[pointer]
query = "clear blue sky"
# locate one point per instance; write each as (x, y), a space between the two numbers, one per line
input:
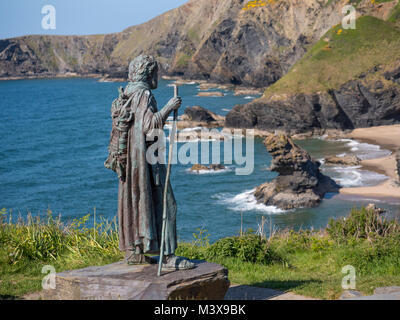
(73, 17)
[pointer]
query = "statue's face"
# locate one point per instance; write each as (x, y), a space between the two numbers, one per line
(154, 79)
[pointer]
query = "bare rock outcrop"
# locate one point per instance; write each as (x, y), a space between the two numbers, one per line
(212, 167)
(299, 183)
(343, 161)
(355, 104)
(197, 116)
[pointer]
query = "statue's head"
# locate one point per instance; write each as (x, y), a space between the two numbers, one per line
(144, 68)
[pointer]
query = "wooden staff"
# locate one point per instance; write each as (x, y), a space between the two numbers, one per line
(164, 221)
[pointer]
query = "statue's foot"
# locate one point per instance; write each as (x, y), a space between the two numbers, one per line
(173, 263)
(133, 258)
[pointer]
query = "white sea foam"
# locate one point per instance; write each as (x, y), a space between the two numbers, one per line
(192, 129)
(249, 97)
(365, 150)
(227, 169)
(246, 201)
(353, 176)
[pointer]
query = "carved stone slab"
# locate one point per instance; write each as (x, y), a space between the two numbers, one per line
(118, 281)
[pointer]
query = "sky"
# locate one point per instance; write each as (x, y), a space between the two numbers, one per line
(78, 17)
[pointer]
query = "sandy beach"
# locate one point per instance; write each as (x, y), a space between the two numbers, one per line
(388, 137)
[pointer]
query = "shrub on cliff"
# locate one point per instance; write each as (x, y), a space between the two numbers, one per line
(249, 247)
(362, 224)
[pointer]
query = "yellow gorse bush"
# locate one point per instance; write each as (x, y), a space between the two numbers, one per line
(256, 3)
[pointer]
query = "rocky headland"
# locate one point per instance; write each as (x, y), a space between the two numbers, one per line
(299, 183)
(211, 40)
(346, 80)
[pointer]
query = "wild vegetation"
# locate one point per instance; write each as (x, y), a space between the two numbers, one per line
(310, 262)
(27, 245)
(343, 55)
(307, 262)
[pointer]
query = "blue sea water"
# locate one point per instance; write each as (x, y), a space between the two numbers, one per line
(54, 137)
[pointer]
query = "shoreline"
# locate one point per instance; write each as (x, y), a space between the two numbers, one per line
(386, 137)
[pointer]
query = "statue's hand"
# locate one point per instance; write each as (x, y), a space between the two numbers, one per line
(175, 103)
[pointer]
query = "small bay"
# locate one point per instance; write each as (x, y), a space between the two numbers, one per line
(54, 137)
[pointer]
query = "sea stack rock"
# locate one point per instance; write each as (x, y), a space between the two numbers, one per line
(197, 116)
(300, 182)
(200, 114)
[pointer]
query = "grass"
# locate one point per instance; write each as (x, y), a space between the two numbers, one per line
(26, 246)
(341, 55)
(304, 262)
(183, 60)
(395, 15)
(310, 262)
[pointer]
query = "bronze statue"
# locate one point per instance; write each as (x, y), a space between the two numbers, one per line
(141, 185)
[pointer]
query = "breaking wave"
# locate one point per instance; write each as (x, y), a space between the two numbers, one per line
(246, 201)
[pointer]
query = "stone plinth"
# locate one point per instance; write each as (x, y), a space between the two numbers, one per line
(119, 281)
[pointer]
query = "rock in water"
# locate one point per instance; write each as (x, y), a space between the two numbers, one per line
(200, 114)
(343, 161)
(210, 94)
(300, 182)
(372, 207)
(212, 167)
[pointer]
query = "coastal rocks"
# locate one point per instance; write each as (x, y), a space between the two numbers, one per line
(372, 207)
(247, 92)
(355, 104)
(343, 161)
(202, 39)
(299, 183)
(210, 94)
(200, 114)
(398, 163)
(212, 167)
(207, 86)
(201, 134)
(197, 116)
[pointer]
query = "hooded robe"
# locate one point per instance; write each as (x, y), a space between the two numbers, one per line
(140, 196)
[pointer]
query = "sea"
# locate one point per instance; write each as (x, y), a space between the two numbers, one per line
(54, 137)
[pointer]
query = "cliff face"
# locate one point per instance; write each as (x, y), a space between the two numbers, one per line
(55, 55)
(357, 103)
(348, 79)
(203, 39)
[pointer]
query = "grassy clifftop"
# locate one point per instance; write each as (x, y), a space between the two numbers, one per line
(342, 55)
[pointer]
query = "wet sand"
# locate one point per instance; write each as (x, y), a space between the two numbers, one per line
(388, 137)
